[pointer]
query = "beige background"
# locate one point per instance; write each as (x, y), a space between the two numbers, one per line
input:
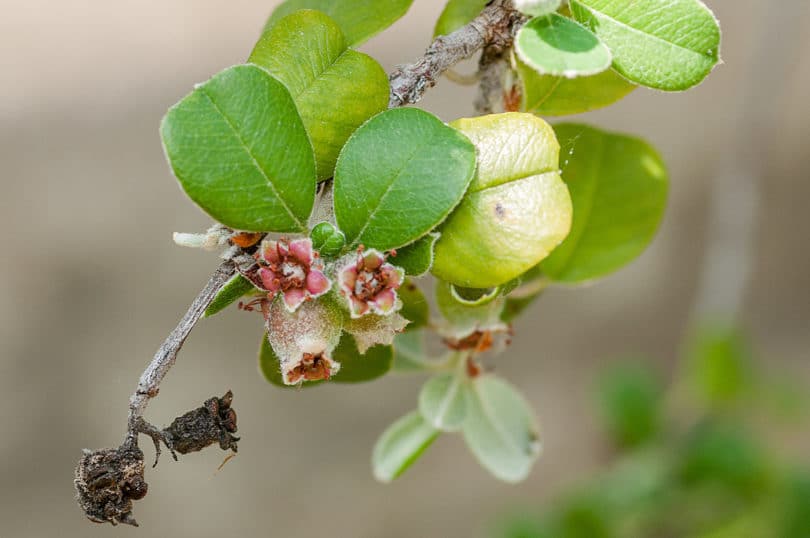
(90, 282)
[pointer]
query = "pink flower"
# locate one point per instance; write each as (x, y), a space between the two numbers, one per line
(292, 269)
(370, 284)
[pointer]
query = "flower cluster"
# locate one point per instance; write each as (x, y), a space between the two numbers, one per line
(303, 332)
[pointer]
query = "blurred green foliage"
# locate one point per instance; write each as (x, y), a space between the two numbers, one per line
(710, 474)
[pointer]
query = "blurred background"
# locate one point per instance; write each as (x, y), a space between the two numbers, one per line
(91, 283)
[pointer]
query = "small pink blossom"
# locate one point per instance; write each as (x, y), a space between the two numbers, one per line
(370, 284)
(292, 269)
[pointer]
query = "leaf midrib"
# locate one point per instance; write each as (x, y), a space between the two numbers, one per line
(243, 143)
(597, 13)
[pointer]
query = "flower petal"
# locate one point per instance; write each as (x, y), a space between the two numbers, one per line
(317, 283)
(270, 280)
(372, 259)
(269, 251)
(301, 250)
(293, 298)
(384, 302)
(393, 275)
(357, 307)
(347, 277)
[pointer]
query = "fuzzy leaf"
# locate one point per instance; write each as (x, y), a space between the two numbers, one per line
(399, 176)
(556, 45)
(240, 151)
(500, 429)
(409, 352)
(665, 44)
(400, 445)
(462, 318)
(618, 186)
(417, 258)
(359, 19)
(516, 210)
(456, 14)
(335, 89)
(234, 289)
(558, 96)
(443, 401)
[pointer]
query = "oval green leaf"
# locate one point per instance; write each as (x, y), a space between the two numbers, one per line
(417, 258)
(399, 176)
(359, 19)
(354, 367)
(234, 289)
(618, 185)
(500, 429)
(462, 318)
(443, 401)
(556, 45)
(516, 210)
(558, 96)
(400, 445)
(537, 8)
(669, 45)
(415, 307)
(239, 149)
(335, 89)
(457, 13)
(409, 352)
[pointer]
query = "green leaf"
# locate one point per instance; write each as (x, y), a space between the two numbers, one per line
(556, 45)
(456, 14)
(665, 44)
(400, 445)
(399, 176)
(500, 429)
(516, 210)
(335, 89)
(537, 8)
(417, 258)
(618, 185)
(559, 96)
(234, 289)
(474, 296)
(409, 352)
(630, 399)
(443, 401)
(357, 368)
(464, 318)
(415, 307)
(327, 239)
(354, 367)
(240, 151)
(359, 19)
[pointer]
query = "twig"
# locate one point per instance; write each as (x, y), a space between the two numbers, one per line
(149, 384)
(495, 26)
(492, 68)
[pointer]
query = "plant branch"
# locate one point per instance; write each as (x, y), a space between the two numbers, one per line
(495, 27)
(164, 359)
